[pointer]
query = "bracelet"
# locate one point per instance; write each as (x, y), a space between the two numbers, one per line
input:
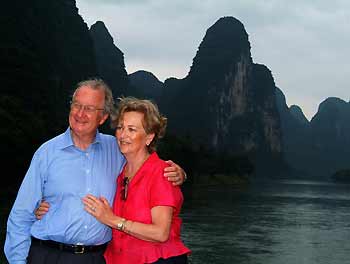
(121, 225)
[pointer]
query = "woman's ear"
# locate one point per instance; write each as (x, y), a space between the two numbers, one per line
(149, 138)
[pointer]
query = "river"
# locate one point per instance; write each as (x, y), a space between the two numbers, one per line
(289, 222)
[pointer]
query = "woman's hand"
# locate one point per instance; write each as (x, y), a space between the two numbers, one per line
(174, 173)
(41, 210)
(100, 209)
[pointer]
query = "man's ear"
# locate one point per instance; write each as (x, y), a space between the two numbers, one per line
(103, 119)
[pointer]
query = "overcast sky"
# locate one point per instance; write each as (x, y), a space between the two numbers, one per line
(306, 44)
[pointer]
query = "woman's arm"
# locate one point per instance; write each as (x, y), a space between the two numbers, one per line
(157, 231)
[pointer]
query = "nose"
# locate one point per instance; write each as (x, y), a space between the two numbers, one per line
(120, 133)
(81, 110)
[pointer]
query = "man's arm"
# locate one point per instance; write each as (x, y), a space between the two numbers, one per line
(21, 217)
(174, 173)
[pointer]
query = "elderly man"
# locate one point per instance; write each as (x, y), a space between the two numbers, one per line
(63, 170)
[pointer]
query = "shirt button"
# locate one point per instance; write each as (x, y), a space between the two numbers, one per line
(85, 227)
(87, 171)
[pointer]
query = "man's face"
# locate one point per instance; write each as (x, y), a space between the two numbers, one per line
(86, 115)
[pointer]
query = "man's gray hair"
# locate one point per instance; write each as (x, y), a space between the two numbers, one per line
(99, 84)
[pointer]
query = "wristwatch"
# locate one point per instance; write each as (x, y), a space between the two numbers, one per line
(121, 225)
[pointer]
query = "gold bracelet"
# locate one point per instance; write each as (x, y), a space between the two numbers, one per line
(121, 225)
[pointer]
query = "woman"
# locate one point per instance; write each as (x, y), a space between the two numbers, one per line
(145, 215)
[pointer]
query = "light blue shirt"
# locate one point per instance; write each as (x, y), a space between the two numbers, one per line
(62, 174)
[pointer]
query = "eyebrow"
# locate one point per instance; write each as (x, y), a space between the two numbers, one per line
(131, 126)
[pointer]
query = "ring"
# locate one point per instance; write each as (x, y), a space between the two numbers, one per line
(93, 209)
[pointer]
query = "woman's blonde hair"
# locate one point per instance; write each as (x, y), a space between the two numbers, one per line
(153, 121)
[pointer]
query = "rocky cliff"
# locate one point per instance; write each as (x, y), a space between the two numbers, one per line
(330, 129)
(45, 49)
(296, 136)
(144, 84)
(227, 102)
(318, 148)
(110, 59)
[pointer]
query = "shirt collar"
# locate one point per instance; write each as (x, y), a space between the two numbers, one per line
(67, 140)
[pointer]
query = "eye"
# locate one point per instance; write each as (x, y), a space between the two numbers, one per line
(119, 127)
(75, 105)
(90, 108)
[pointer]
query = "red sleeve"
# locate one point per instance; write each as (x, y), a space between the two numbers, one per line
(162, 192)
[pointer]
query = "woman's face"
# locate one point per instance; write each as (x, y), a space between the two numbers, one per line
(131, 135)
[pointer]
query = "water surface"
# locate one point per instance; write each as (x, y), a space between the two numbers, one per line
(285, 222)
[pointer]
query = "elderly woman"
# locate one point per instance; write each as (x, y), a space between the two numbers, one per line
(145, 214)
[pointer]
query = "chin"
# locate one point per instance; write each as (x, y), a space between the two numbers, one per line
(123, 150)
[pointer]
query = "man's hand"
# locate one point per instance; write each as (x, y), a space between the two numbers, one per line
(42, 210)
(174, 173)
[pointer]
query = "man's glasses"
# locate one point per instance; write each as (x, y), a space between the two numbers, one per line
(124, 192)
(90, 109)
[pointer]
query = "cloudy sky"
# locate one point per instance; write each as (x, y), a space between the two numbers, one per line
(304, 43)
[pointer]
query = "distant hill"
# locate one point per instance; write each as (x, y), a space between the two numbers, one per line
(298, 114)
(330, 129)
(110, 60)
(318, 148)
(296, 135)
(227, 103)
(146, 85)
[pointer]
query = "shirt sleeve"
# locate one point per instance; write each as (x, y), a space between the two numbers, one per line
(22, 216)
(162, 192)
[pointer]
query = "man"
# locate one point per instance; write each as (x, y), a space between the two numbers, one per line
(63, 170)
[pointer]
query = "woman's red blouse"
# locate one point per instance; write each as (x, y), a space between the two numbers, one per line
(147, 189)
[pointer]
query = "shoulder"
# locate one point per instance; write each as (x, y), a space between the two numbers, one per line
(155, 162)
(53, 143)
(155, 168)
(48, 149)
(109, 144)
(108, 141)
(106, 136)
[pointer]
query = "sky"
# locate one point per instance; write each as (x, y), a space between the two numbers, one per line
(304, 43)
